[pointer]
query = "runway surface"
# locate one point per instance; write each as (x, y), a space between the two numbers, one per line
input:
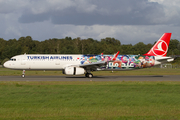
(95, 78)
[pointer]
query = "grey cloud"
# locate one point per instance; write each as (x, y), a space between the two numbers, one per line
(11, 6)
(105, 12)
(30, 18)
(129, 21)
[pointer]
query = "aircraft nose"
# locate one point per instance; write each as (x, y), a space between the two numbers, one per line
(6, 64)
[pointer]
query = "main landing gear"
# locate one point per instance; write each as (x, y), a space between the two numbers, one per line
(23, 74)
(89, 75)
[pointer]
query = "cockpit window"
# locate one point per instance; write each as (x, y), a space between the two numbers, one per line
(12, 59)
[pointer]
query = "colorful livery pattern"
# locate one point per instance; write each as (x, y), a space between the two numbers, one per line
(121, 62)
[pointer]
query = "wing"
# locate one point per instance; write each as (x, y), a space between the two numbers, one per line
(93, 66)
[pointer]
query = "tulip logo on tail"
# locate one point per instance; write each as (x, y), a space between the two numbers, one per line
(161, 46)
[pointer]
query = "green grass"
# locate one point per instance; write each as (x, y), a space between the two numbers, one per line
(147, 71)
(89, 100)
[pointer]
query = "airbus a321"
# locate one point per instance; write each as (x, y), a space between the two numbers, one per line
(85, 64)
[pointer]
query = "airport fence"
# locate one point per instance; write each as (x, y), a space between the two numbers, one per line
(168, 66)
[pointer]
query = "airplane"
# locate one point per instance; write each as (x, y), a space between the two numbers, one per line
(86, 64)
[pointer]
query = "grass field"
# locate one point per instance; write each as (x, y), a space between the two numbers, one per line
(89, 100)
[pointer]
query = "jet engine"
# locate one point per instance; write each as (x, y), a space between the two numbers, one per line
(73, 71)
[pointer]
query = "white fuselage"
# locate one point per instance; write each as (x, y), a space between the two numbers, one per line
(42, 62)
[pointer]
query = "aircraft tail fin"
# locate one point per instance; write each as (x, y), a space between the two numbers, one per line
(161, 46)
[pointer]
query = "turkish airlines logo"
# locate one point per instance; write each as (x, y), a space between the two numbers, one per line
(161, 48)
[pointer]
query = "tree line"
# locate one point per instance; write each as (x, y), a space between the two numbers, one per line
(67, 45)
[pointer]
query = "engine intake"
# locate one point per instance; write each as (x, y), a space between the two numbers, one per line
(73, 71)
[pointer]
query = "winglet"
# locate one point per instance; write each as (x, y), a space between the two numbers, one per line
(115, 56)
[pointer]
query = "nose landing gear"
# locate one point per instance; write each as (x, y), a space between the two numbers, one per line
(23, 74)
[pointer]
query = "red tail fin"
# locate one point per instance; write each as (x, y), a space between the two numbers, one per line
(161, 46)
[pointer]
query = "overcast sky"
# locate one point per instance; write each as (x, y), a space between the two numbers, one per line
(130, 21)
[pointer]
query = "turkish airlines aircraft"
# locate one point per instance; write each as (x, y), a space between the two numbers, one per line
(85, 64)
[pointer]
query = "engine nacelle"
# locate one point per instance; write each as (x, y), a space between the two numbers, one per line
(73, 71)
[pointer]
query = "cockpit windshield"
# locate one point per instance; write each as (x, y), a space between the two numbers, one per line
(12, 59)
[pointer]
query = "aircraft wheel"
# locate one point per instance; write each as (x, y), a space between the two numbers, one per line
(90, 75)
(22, 75)
(86, 74)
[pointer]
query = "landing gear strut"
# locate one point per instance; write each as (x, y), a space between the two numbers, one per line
(89, 75)
(23, 74)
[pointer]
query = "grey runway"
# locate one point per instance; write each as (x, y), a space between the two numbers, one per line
(95, 78)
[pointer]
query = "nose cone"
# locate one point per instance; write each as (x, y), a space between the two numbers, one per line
(6, 64)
